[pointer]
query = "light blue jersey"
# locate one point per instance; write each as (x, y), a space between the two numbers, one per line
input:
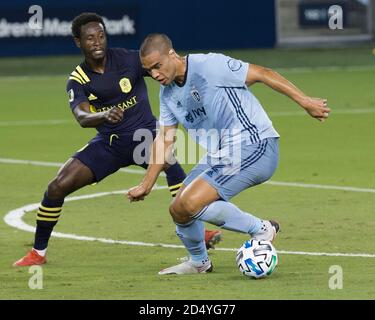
(215, 105)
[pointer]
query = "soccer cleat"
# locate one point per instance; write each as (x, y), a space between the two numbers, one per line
(32, 258)
(268, 231)
(211, 238)
(187, 267)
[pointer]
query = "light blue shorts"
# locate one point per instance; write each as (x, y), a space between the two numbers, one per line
(256, 164)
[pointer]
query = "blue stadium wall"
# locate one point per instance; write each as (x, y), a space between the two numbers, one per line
(192, 24)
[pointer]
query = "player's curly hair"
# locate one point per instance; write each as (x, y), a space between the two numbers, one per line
(83, 19)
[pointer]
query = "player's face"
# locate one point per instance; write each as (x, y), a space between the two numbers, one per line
(161, 66)
(93, 41)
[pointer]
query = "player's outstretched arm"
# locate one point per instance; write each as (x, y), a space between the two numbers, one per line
(88, 119)
(315, 107)
(161, 152)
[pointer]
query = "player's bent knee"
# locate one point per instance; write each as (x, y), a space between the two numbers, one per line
(57, 189)
(54, 191)
(179, 213)
(184, 207)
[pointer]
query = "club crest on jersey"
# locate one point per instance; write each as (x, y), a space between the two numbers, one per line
(71, 95)
(234, 64)
(195, 94)
(125, 85)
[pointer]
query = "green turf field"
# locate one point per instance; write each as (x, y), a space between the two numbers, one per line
(327, 208)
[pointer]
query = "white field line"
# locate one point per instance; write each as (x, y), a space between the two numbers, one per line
(14, 219)
(326, 69)
(28, 78)
(141, 171)
(50, 122)
(320, 186)
(358, 68)
(20, 123)
(59, 164)
(333, 112)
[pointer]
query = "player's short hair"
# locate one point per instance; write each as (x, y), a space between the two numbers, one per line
(83, 19)
(155, 41)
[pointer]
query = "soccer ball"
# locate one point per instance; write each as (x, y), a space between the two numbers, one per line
(256, 258)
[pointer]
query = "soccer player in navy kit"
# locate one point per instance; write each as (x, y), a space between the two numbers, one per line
(107, 92)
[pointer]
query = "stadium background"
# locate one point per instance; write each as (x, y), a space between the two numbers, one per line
(322, 193)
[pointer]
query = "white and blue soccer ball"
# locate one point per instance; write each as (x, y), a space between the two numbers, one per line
(256, 258)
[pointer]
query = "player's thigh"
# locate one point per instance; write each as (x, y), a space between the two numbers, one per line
(101, 157)
(198, 194)
(71, 176)
(195, 192)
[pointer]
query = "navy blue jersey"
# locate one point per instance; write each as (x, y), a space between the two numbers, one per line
(121, 85)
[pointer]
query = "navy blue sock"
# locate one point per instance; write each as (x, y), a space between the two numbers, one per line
(175, 176)
(48, 214)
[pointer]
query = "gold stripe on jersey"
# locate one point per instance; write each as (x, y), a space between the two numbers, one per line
(77, 75)
(83, 74)
(92, 97)
(76, 79)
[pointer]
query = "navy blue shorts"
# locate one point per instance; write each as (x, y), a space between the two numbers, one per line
(105, 154)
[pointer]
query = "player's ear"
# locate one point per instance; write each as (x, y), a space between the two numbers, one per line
(77, 42)
(172, 54)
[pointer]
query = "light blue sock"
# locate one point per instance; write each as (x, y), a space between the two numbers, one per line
(227, 216)
(192, 236)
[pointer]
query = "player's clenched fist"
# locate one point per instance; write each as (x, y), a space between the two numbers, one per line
(114, 115)
(316, 107)
(137, 193)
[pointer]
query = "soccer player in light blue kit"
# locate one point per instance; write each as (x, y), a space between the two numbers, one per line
(209, 91)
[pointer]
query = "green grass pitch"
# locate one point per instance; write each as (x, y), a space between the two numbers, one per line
(36, 124)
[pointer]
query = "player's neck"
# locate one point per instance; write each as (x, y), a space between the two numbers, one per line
(96, 65)
(181, 71)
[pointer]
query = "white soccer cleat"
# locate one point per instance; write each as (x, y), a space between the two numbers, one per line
(187, 267)
(268, 231)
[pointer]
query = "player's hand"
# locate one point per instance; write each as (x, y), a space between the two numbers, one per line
(316, 107)
(137, 193)
(114, 115)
